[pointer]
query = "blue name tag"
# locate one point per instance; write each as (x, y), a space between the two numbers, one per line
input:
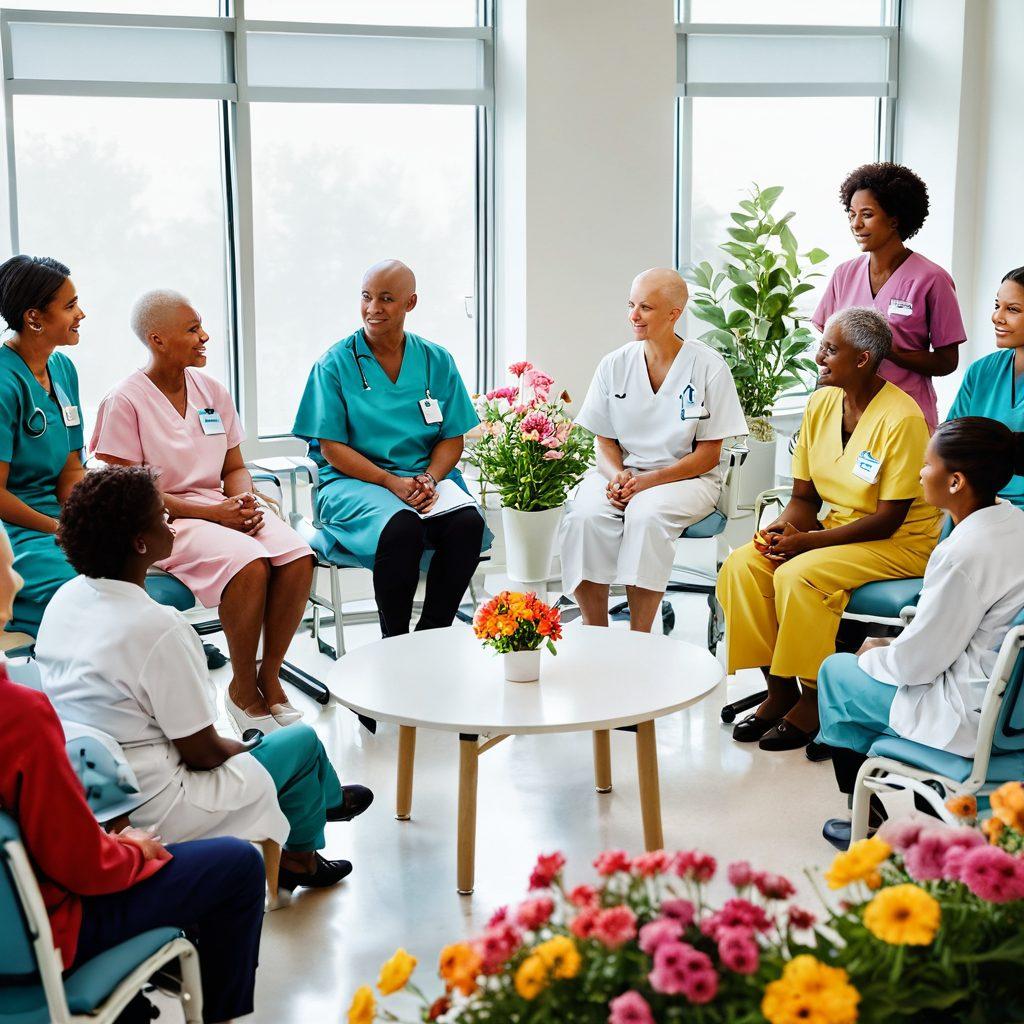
(689, 407)
(209, 420)
(867, 466)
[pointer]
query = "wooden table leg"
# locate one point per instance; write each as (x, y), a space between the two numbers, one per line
(406, 756)
(468, 760)
(650, 791)
(602, 761)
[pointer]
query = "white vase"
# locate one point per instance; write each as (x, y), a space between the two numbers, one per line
(530, 542)
(522, 666)
(758, 473)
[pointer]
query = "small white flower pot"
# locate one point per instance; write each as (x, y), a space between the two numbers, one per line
(522, 666)
(530, 542)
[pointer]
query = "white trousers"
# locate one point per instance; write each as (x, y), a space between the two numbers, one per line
(634, 548)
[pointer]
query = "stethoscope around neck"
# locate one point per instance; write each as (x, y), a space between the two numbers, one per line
(362, 376)
(35, 421)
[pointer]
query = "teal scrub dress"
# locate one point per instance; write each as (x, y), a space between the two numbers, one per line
(990, 389)
(350, 399)
(34, 442)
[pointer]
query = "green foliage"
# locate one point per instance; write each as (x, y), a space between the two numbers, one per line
(751, 303)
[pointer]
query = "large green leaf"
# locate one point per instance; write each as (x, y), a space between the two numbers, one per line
(788, 240)
(782, 222)
(741, 252)
(695, 272)
(747, 205)
(743, 219)
(817, 256)
(738, 318)
(766, 200)
(745, 296)
(739, 275)
(800, 289)
(708, 313)
(742, 234)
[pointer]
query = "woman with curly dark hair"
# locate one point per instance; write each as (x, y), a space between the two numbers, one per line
(886, 204)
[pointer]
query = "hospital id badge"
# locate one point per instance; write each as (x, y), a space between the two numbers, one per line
(71, 417)
(431, 410)
(866, 467)
(210, 421)
(897, 307)
(690, 408)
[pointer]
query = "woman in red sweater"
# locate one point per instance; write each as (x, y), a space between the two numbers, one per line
(101, 889)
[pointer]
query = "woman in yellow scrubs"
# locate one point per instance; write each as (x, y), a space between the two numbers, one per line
(860, 450)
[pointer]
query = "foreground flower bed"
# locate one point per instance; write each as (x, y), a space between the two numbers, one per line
(929, 928)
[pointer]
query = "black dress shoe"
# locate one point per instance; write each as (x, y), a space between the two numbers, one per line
(752, 728)
(838, 831)
(355, 800)
(815, 751)
(327, 873)
(786, 736)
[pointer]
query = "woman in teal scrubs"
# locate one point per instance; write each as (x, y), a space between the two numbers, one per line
(384, 412)
(40, 425)
(994, 385)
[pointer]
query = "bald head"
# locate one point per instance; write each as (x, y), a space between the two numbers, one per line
(157, 312)
(388, 293)
(393, 274)
(657, 299)
(666, 282)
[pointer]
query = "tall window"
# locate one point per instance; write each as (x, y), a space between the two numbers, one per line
(798, 103)
(257, 161)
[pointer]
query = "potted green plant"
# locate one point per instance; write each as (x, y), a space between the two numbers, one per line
(751, 303)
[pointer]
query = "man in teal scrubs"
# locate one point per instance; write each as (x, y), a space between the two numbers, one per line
(40, 425)
(385, 412)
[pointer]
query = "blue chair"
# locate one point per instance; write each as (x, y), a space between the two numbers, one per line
(33, 989)
(935, 775)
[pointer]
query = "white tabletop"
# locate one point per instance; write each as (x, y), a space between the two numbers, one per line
(446, 679)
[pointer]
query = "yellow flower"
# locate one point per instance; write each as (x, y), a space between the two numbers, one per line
(859, 864)
(459, 966)
(531, 977)
(560, 956)
(396, 972)
(1008, 804)
(810, 992)
(364, 1006)
(903, 915)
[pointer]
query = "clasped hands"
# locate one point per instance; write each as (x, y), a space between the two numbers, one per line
(418, 492)
(151, 845)
(240, 512)
(625, 486)
(782, 540)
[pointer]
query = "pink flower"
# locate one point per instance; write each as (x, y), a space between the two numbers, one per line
(496, 946)
(655, 862)
(552, 455)
(540, 382)
(701, 986)
(901, 835)
(800, 919)
(993, 874)
(630, 1008)
(926, 859)
(736, 913)
(740, 874)
(537, 426)
(584, 923)
(534, 914)
(546, 870)
(774, 887)
(700, 867)
(551, 442)
(610, 861)
(500, 916)
(510, 395)
(583, 896)
(615, 926)
(674, 962)
(664, 929)
(682, 911)
(518, 369)
(738, 951)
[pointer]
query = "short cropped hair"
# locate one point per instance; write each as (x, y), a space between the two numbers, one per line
(147, 309)
(105, 510)
(899, 191)
(866, 330)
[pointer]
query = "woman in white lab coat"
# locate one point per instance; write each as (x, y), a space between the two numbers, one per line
(927, 685)
(660, 408)
(112, 658)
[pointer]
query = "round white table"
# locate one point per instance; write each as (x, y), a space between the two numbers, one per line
(601, 679)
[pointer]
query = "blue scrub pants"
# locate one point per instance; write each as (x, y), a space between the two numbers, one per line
(306, 783)
(214, 890)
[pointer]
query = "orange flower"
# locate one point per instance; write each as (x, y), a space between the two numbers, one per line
(962, 806)
(993, 829)
(1008, 804)
(459, 966)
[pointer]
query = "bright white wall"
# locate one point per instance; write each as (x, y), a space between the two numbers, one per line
(585, 174)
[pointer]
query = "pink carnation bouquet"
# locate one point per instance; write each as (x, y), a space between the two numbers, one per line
(529, 450)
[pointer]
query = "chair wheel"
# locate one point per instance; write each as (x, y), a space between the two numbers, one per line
(728, 714)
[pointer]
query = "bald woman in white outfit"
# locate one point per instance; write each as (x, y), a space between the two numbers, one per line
(660, 408)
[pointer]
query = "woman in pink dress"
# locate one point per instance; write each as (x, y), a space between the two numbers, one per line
(887, 204)
(251, 566)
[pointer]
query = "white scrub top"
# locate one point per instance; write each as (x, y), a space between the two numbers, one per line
(112, 658)
(696, 402)
(941, 663)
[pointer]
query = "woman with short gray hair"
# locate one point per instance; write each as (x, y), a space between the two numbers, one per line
(860, 450)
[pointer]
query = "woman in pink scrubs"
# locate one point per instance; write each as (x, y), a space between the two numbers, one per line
(886, 205)
(255, 568)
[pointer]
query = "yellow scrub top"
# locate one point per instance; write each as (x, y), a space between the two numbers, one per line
(893, 433)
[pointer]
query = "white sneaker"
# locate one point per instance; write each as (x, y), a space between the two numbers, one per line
(284, 714)
(243, 720)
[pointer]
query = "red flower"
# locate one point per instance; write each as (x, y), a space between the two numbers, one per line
(546, 870)
(773, 887)
(611, 861)
(801, 919)
(496, 946)
(692, 864)
(656, 862)
(583, 896)
(534, 914)
(582, 925)
(615, 926)
(438, 1007)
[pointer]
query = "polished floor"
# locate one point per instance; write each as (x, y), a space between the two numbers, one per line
(536, 793)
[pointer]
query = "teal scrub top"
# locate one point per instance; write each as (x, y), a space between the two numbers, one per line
(989, 389)
(384, 423)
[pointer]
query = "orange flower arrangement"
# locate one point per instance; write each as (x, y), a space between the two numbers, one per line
(518, 622)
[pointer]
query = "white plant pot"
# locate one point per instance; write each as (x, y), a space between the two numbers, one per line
(758, 473)
(522, 666)
(530, 542)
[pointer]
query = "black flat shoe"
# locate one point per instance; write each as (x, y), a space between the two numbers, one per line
(837, 831)
(355, 800)
(328, 873)
(815, 751)
(786, 736)
(752, 728)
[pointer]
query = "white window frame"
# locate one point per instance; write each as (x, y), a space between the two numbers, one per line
(237, 97)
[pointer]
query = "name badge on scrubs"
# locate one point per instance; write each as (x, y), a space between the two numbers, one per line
(431, 410)
(867, 466)
(210, 421)
(897, 307)
(70, 414)
(690, 408)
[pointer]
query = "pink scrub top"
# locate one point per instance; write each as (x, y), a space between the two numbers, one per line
(137, 423)
(919, 301)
